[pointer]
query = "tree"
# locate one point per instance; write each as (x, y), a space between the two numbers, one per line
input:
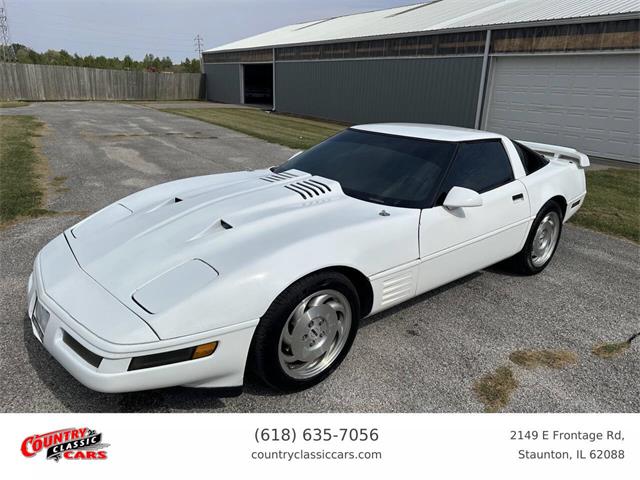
(190, 65)
(22, 56)
(65, 59)
(166, 63)
(147, 61)
(128, 63)
(52, 57)
(89, 61)
(150, 62)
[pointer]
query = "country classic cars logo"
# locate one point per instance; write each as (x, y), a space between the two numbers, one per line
(69, 443)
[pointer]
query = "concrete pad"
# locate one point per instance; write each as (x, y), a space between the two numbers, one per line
(423, 356)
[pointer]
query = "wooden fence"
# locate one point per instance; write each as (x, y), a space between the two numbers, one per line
(49, 82)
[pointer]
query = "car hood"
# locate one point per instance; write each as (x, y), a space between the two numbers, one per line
(194, 224)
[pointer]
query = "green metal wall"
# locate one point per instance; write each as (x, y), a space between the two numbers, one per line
(428, 90)
(223, 82)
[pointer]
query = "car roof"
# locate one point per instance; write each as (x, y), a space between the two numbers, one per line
(443, 133)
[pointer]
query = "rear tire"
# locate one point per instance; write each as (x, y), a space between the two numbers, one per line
(306, 332)
(541, 243)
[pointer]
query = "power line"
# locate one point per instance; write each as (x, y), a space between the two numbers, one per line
(74, 22)
(97, 46)
(8, 54)
(125, 45)
(85, 27)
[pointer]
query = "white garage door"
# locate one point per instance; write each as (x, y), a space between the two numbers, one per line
(588, 102)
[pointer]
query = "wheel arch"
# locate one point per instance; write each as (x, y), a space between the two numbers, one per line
(360, 282)
(562, 203)
(363, 288)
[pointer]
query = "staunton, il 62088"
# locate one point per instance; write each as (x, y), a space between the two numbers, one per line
(196, 281)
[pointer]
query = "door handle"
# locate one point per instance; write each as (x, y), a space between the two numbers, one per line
(518, 197)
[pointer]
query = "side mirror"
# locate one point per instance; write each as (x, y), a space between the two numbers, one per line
(459, 197)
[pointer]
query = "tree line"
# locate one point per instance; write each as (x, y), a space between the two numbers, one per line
(150, 62)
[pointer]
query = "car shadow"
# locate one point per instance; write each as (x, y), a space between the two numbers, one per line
(78, 398)
(254, 386)
(504, 268)
(419, 299)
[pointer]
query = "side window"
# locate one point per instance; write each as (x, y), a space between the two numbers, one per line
(479, 166)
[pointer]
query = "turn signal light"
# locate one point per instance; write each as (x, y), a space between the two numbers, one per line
(204, 350)
(174, 356)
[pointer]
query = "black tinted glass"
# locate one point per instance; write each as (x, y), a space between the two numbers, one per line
(379, 168)
(532, 161)
(479, 166)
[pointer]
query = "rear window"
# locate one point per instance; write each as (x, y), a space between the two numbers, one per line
(380, 168)
(531, 161)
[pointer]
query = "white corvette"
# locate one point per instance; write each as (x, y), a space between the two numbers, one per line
(195, 281)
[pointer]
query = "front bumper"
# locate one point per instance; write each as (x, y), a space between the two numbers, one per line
(223, 369)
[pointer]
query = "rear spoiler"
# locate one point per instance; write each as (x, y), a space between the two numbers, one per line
(555, 152)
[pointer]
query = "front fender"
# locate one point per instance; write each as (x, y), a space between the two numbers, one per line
(251, 278)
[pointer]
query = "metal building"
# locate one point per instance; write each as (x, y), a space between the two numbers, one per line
(553, 71)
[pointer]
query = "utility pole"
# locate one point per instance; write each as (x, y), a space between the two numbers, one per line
(198, 43)
(7, 54)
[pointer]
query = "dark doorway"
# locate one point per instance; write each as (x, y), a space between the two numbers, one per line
(258, 83)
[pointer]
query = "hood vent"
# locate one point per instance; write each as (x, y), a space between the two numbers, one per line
(164, 203)
(278, 177)
(214, 228)
(308, 188)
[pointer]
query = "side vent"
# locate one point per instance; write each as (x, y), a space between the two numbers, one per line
(308, 188)
(398, 287)
(278, 177)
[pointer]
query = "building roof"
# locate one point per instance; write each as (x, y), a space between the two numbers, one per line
(444, 133)
(434, 16)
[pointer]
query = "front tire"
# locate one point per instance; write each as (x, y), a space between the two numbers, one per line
(306, 332)
(542, 241)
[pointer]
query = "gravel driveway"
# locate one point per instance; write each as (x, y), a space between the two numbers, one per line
(424, 356)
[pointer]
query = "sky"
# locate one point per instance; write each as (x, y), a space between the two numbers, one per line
(162, 27)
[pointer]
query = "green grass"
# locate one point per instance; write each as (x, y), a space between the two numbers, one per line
(543, 358)
(13, 104)
(21, 167)
(293, 132)
(613, 203)
(613, 196)
(494, 389)
(610, 350)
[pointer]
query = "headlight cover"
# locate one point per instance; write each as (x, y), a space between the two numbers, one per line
(174, 286)
(41, 316)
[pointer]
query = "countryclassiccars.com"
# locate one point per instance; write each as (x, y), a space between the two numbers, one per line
(196, 281)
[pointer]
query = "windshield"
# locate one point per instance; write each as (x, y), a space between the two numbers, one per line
(376, 167)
